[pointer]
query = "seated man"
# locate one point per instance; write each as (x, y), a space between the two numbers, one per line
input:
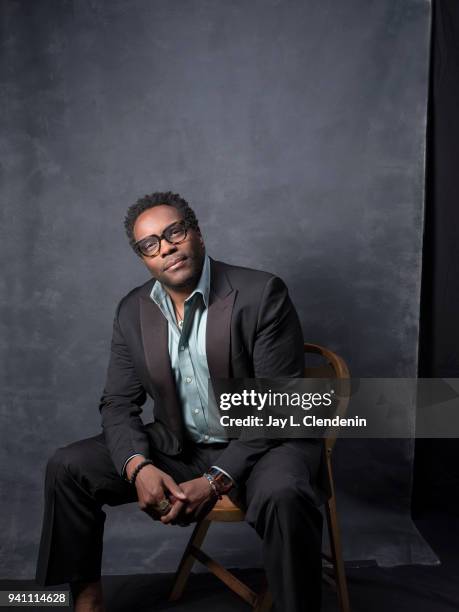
(197, 318)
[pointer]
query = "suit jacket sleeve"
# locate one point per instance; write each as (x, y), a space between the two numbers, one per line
(278, 352)
(121, 402)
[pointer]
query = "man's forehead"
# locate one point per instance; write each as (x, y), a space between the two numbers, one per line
(155, 220)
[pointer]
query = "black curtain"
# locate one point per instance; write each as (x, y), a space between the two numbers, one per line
(436, 476)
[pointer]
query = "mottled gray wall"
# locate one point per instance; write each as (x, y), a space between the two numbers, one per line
(296, 130)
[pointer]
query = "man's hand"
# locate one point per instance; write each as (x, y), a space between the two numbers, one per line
(200, 499)
(153, 485)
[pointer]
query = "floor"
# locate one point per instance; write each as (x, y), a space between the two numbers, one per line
(372, 589)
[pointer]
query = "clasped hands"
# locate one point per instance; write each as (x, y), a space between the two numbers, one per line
(190, 501)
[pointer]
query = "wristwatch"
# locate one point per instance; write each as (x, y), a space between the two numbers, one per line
(222, 482)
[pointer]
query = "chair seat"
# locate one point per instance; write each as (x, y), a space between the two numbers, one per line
(226, 511)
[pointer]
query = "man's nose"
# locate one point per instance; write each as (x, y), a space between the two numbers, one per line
(167, 248)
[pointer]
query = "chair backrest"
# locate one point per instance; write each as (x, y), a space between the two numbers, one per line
(334, 367)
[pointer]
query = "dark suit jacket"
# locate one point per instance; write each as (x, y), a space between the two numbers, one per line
(253, 331)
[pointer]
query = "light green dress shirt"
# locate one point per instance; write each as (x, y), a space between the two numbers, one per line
(187, 351)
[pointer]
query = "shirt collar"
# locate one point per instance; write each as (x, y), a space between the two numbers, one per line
(159, 295)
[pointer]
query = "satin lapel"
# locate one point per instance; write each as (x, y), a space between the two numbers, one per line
(154, 337)
(218, 332)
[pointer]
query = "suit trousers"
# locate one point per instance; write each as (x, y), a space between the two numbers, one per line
(278, 496)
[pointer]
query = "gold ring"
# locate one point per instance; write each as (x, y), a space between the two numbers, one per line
(163, 506)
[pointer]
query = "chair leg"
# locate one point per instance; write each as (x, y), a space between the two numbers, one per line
(335, 545)
(187, 561)
(264, 600)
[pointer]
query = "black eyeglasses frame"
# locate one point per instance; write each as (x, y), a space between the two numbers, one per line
(136, 245)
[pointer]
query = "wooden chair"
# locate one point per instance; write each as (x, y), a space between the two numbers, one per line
(226, 511)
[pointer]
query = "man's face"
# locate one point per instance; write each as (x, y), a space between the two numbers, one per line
(177, 265)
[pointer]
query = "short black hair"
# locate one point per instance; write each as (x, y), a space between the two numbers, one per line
(159, 198)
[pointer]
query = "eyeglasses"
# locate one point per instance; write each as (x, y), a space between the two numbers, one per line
(151, 245)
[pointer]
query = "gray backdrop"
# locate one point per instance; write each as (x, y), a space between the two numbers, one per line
(296, 130)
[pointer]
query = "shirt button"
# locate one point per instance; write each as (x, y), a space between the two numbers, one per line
(182, 348)
(188, 379)
(196, 410)
(206, 437)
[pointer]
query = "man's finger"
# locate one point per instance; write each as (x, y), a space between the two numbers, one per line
(174, 488)
(173, 512)
(190, 509)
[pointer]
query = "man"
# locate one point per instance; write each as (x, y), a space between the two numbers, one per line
(197, 318)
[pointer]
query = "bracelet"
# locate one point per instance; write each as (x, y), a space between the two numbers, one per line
(138, 468)
(212, 484)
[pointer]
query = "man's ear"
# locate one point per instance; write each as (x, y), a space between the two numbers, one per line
(201, 239)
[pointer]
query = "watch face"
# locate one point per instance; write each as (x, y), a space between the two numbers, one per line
(221, 480)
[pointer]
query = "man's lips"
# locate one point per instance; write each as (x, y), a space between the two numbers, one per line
(174, 263)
